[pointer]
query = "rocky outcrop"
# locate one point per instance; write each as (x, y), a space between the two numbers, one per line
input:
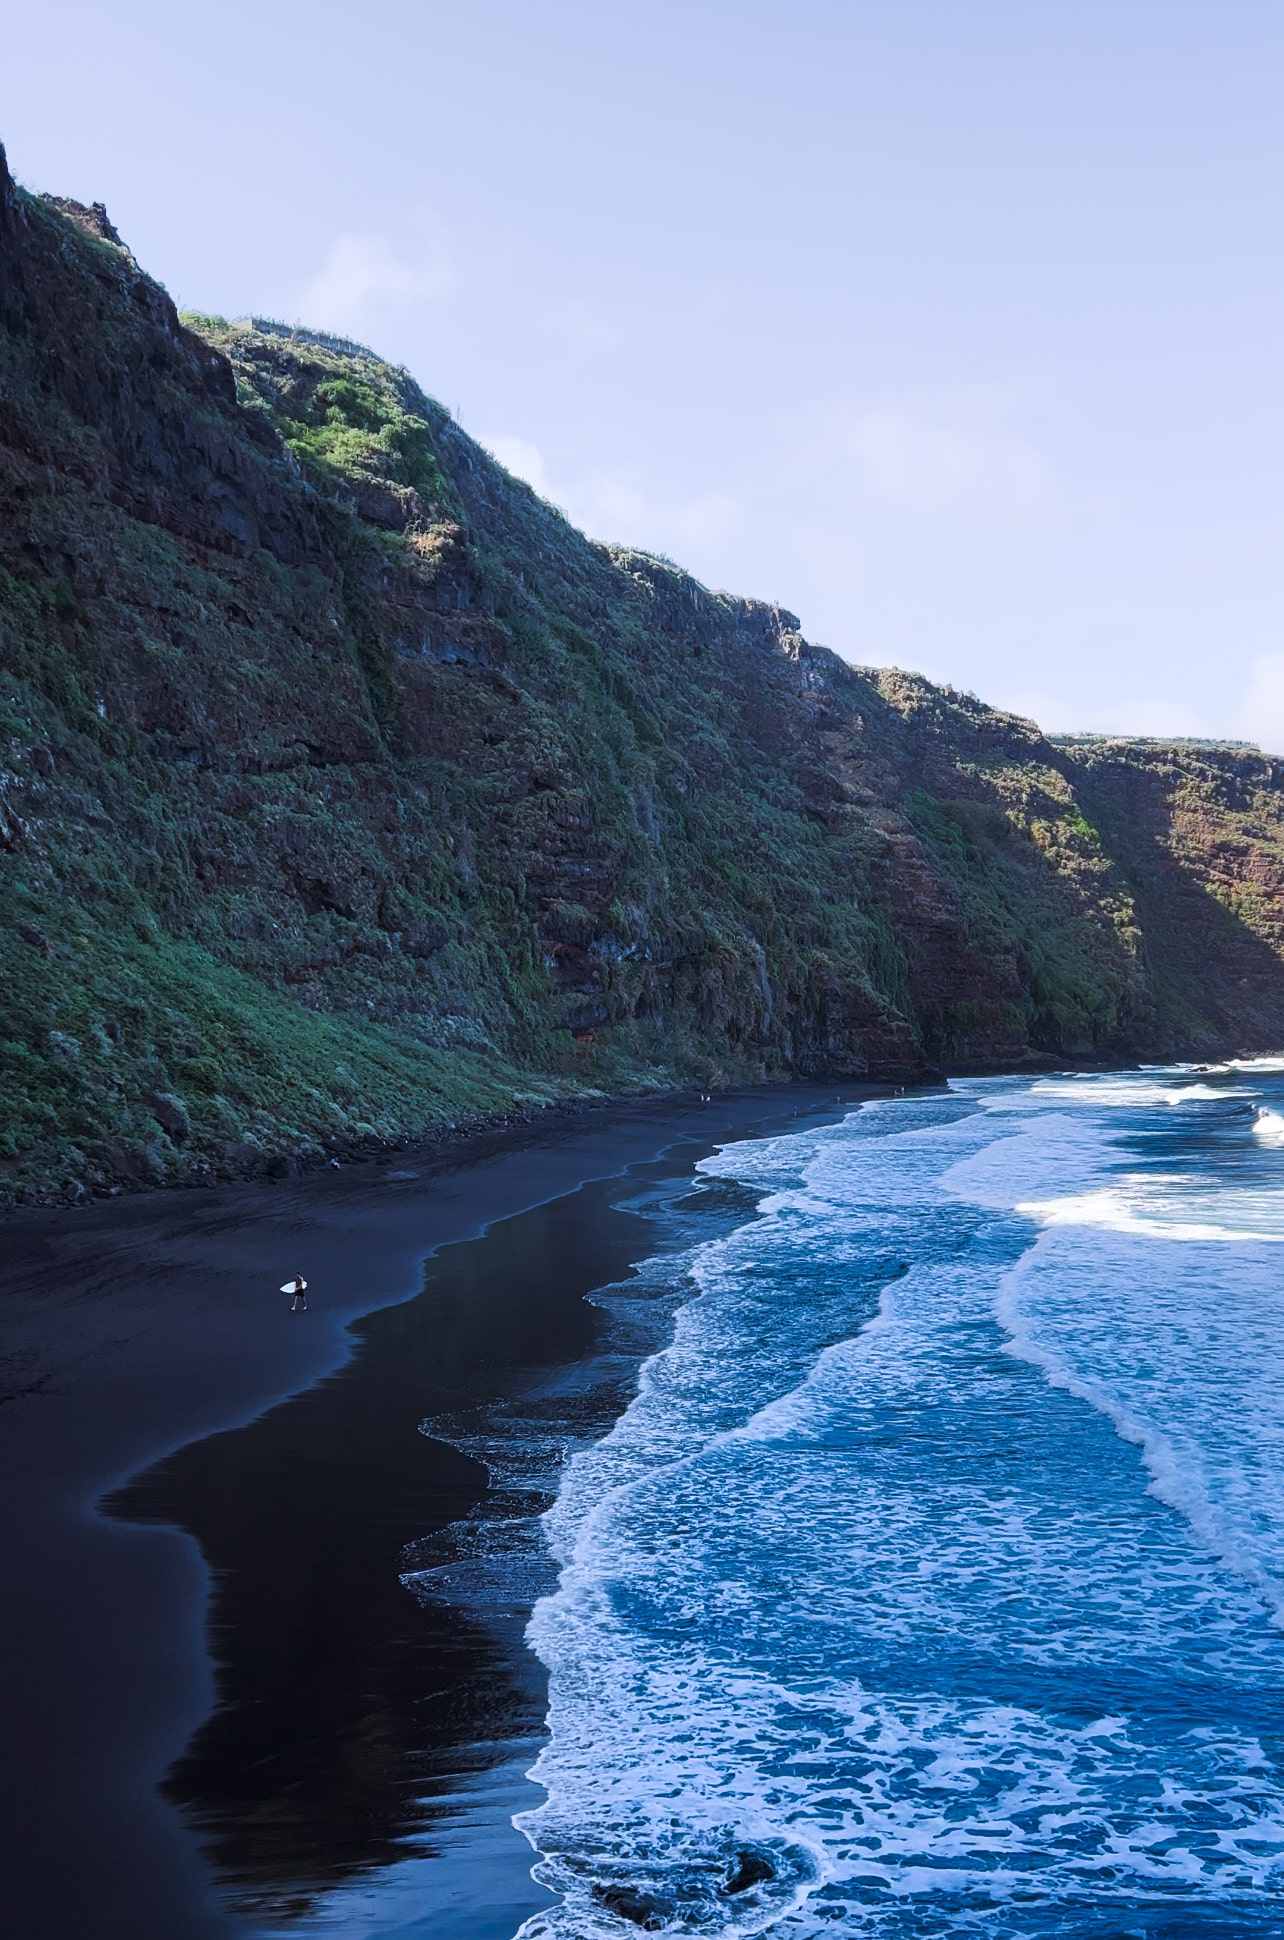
(349, 792)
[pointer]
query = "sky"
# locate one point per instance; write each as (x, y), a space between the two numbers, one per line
(954, 328)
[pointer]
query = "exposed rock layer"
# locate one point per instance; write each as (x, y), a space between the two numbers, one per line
(348, 791)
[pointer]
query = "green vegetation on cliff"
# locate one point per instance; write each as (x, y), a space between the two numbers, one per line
(348, 793)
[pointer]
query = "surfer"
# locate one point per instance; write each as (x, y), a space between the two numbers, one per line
(298, 1287)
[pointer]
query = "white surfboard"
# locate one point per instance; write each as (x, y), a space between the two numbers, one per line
(290, 1287)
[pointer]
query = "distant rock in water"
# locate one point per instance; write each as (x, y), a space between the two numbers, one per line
(350, 795)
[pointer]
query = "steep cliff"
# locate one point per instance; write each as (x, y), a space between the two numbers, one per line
(348, 791)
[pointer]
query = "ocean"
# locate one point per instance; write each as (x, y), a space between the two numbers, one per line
(932, 1582)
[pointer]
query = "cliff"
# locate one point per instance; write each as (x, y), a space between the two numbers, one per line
(349, 792)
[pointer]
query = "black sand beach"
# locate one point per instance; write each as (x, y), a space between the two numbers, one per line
(365, 1739)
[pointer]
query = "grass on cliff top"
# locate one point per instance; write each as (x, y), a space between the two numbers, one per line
(344, 417)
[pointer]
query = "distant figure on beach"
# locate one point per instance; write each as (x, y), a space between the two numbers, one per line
(298, 1287)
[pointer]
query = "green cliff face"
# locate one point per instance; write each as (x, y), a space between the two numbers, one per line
(348, 793)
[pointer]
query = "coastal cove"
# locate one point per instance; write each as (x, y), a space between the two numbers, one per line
(789, 1514)
(133, 1330)
(641, 975)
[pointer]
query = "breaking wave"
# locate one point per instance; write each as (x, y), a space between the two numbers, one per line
(932, 1582)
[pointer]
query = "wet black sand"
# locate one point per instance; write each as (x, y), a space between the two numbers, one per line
(351, 1711)
(367, 1747)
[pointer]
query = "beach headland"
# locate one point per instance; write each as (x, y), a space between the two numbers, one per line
(136, 1328)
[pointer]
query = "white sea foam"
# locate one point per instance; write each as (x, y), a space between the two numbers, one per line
(1129, 1092)
(866, 1622)
(1185, 1363)
(1105, 1093)
(1134, 1207)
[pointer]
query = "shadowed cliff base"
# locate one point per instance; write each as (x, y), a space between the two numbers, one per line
(352, 796)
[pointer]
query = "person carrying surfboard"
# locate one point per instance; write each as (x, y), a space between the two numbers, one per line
(298, 1287)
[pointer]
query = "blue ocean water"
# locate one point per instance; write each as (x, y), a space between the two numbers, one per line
(933, 1583)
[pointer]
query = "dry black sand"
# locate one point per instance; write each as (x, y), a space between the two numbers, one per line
(363, 1740)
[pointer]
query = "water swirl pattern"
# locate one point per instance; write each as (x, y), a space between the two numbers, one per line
(933, 1583)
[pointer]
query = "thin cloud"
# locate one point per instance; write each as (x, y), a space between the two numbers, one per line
(585, 326)
(958, 459)
(524, 460)
(613, 506)
(1261, 713)
(364, 278)
(1146, 716)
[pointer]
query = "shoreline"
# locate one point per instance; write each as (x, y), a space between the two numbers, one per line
(464, 1142)
(166, 1329)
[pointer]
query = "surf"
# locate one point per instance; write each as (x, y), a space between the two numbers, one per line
(931, 1582)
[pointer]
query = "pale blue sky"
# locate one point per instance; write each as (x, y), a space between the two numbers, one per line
(954, 325)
